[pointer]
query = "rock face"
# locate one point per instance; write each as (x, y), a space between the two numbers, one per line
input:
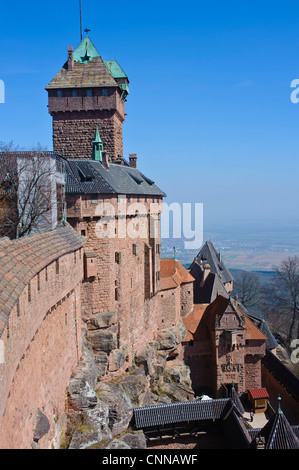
(101, 411)
(42, 426)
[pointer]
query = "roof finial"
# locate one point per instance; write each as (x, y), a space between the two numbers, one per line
(279, 408)
(233, 385)
(174, 253)
(86, 30)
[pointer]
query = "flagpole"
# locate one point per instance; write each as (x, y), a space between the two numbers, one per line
(80, 19)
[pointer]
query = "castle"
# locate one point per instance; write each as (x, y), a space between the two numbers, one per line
(100, 269)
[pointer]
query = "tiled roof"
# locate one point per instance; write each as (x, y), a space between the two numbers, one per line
(91, 177)
(262, 325)
(258, 393)
(89, 70)
(21, 260)
(173, 274)
(179, 412)
(83, 75)
(192, 322)
(252, 332)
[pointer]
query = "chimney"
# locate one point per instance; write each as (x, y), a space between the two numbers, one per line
(70, 58)
(105, 160)
(206, 272)
(133, 160)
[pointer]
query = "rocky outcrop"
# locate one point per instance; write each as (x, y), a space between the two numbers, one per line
(100, 411)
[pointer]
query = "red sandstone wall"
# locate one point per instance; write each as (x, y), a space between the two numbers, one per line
(170, 307)
(288, 404)
(74, 132)
(42, 346)
(186, 298)
(119, 286)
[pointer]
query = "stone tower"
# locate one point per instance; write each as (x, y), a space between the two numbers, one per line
(87, 96)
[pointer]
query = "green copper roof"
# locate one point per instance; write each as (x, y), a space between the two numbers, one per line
(85, 52)
(115, 69)
(118, 74)
(97, 146)
(97, 137)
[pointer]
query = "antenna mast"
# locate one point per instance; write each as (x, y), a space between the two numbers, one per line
(80, 19)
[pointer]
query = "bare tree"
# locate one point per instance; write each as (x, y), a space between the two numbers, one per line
(28, 189)
(247, 285)
(285, 293)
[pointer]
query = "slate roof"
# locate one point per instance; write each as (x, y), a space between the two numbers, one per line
(91, 177)
(179, 412)
(22, 259)
(209, 255)
(278, 433)
(211, 289)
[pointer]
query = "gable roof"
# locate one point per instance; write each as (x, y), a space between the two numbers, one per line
(209, 255)
(91, 177)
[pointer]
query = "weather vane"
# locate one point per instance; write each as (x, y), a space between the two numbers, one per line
(86, 31)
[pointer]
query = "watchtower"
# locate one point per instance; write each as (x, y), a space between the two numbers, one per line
(87, 96)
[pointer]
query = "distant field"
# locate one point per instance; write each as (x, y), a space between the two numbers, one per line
(253, 261)
(253, 248)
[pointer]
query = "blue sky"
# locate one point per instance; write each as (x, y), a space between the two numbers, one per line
(209, 112)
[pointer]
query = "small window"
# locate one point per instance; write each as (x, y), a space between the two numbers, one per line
(29, 292)
(57, 267)
(59, 93)
(89, 92)
(104, 92)
(118, 257)
(116, 293)
(38, 282)
(74, 93)
(135, 249)
(83, 233)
